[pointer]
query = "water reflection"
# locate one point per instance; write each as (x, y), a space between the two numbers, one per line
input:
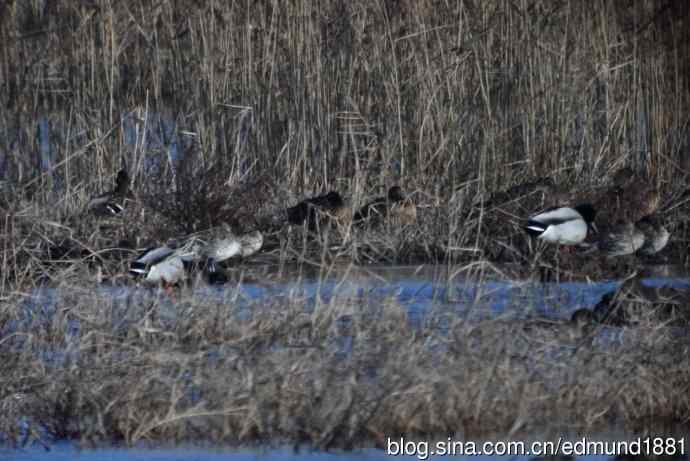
(434, 297)
(419, 289)
(529, 313)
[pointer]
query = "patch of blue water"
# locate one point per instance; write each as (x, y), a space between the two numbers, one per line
(464, 297)
(43, 131)
(418, 297)
(673, 282)
(425, 299)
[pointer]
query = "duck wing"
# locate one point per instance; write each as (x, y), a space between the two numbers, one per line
(555, 216)
(620, 240)
(630, 203)
(148, 258)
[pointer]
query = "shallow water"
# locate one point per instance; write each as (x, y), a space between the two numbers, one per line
(68, 452)
(437, 293)
(421, 290)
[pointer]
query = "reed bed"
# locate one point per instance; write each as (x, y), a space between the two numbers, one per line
(227, 113)
(138, 367)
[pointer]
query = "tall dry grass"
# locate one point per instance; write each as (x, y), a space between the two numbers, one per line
(224, 112)
(135, 367)
(451, 100)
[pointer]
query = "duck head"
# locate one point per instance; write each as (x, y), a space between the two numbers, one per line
(587, 212)
(334, 200)
(623, 176)
(122, 182)
(395, 194)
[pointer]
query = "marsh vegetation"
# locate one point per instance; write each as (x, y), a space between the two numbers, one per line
(224, 114)
(329, 368)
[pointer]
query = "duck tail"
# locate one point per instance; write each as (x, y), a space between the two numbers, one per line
(138, 268)
(535, 228)
(113, 208)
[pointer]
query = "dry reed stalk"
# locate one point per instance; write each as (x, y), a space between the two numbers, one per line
(227, 116)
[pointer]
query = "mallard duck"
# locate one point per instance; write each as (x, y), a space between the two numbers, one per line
(629, 199)
(563, 226)
(218, 245)
(621, 239)
(251, 243)
(647, 236)
(655, 235)
(164, 264)
(394, 204)
(309, 210)
(582, 318)
(580, 324)
(111, 203)
(402, 207)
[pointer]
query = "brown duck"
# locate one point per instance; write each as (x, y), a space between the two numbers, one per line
(111, 203)
(629, 199)
(311, 210)
(395, 204)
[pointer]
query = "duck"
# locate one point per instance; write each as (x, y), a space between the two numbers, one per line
(163, 264)
(562, 225)
(223, 247)
(221, 243)
(395, 204)
(621, 239)
(580, 325)
(582, 318)
(111, 203)
(309, 210)
(629, 198)
(218, 245)
(251, 243)
(647, 237)
(656, 236)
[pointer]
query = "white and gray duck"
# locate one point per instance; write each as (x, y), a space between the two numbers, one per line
(164, 265)
(563, 225)
(646, 237)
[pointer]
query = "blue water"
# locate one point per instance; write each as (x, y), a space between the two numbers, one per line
(424, 293)
(421, 291)
(427, 294)
(68, 452)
